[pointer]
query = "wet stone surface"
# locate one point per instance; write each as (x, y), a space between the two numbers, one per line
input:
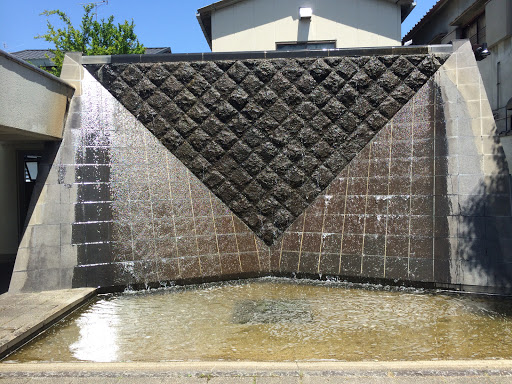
(268, 136)
(271, 311)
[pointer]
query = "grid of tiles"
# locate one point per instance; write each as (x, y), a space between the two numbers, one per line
(267, 136)
(141, 215)
(377, 217)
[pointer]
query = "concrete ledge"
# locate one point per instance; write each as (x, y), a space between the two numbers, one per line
(24, 315)
(34, 102)
(33, 68)
(396, 369)
(210, 56)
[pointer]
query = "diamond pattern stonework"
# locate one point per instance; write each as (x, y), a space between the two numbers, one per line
(267, 136)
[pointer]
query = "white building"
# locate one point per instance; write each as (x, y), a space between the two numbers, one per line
(482, 22)
(267, 25)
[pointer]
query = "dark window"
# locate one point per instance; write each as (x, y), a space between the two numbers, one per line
(31, 163)
(475, 30)
(305, 45)
(28, 167)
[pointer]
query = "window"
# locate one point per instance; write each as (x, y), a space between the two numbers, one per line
(31, 167)
(475, 30)
(305, 45)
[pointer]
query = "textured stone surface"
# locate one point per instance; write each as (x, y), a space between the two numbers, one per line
(268, 136)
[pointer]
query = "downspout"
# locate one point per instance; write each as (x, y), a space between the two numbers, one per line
(498, 65)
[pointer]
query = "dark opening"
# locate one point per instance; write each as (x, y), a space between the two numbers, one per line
(27, 170)
(305, 45)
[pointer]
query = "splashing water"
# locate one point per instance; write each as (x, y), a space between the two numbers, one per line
(278, 320)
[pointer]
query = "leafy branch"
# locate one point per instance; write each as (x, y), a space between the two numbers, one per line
(90, 38)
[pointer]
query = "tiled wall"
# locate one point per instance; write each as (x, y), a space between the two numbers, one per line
(377, 218)
(267, 136)
(141, 216)
(426, 200)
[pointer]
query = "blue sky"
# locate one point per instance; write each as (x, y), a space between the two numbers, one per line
(159, 23)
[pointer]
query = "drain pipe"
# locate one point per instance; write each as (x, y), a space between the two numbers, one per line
(498, 65)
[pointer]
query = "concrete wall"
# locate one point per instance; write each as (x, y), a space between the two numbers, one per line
(499, 15)
(256, 25)
(33, 106)
(420, 197)
(498, 95)
(33, 103)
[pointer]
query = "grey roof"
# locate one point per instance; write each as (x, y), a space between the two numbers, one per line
(204, 14)
(38, 54)
(465, 16)
(436, 7)
(154, 51)
(33, 54)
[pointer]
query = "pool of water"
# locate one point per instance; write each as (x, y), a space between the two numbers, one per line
(278, 320)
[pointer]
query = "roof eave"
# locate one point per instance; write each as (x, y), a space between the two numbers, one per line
(406, 9)
(469, 13)
(424, 20)
(207, 32)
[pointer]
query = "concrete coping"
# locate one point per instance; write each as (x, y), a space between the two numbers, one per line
(25, 315)
(211, 56)
(35, 69)
(264, 369)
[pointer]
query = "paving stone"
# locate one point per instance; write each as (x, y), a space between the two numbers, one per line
(231, 380)
(279, 380)
(14, 380)
(304, 379)
(30, 312)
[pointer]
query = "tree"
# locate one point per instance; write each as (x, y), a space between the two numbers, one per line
(91, 38)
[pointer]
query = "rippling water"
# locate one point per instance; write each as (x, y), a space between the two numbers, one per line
(278, 320)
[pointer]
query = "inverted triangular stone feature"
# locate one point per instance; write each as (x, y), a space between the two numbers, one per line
(267, 136)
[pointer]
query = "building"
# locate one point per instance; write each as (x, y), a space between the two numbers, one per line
(34, 107)
(487, 24)
(267, 25)
(32, 117)
(43, 57)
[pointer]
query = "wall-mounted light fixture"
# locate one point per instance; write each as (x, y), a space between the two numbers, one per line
(305, 13)
(481, 52)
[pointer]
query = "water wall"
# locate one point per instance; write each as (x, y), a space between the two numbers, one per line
(374, 164)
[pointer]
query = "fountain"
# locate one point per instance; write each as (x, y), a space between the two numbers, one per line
(367, 165)
(278, 319)
(354, 167)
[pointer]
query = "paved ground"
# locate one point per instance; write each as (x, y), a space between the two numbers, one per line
(23, 315)
(261, 373)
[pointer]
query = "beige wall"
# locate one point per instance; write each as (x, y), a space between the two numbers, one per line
(256, 25)
(32, 104)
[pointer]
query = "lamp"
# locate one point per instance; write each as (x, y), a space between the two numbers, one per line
(305, 13)
(482, 52)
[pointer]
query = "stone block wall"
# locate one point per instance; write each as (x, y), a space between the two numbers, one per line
(381, 167)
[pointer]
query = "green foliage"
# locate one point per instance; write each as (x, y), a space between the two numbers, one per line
(91, 38)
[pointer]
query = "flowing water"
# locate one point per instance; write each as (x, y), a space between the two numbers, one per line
(278, 320)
